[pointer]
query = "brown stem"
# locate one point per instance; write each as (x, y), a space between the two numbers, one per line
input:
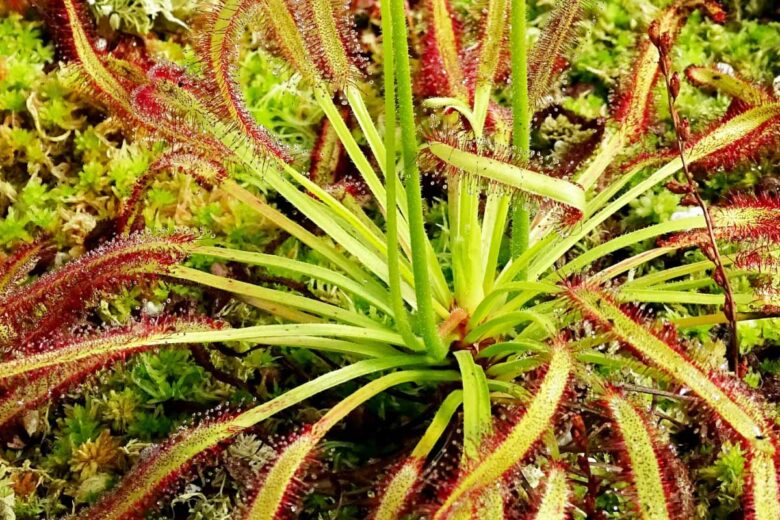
(653, 391)
(663, 43)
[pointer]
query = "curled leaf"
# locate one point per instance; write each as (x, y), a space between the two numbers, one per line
(219, 31)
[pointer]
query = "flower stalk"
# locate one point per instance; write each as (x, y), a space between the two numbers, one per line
(663, 42)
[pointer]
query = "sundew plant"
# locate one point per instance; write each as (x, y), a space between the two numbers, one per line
(547, 354)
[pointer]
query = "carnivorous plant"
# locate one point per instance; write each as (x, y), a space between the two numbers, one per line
(526, 331)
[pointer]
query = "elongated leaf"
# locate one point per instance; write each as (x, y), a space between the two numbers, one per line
(272, 295)
(21, 394)
(763, 500)
(208, 173)
(555, 503)
(326, 156)
(29, 312)
(376, 298)
(126, 88)
(75, 42)
(116, 343)
(636, 99)
(636, 96)
(477, 426)
(741, 136)
(510, 449)
(441, 74)
(314, 37)
(160, 469)
(762, 494)
(219, 32)
(730, 85)
(745, 219)
(759, 260)
(744, 417)
(510, 177)
(17, 266)
(164, 465)
(400, 489)
(661, 494)
(278, 489)
(547, 58)
(477, 419)
(487, 60)
(26, 383)
(406, 477)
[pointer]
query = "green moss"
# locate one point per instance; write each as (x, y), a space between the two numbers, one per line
(726, 475)
(170, 375)
(277, 101)
(63, 169)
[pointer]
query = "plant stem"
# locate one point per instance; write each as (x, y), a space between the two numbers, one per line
(440, 289)
(267, 333)
(507, 322)
(391, 184)
(671, 273)
(494, 222)
(682, 297)
(494, 297)
(711, 251)
(354, 152)
(521, 124)
(293, 228)
(509, 370)
(627, 240)
(372, 237)
(433, 342)
(360, 111)
(466, 246)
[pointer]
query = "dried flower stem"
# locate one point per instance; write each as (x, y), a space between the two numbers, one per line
(672, 80)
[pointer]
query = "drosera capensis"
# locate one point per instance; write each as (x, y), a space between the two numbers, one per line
(522, 342)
